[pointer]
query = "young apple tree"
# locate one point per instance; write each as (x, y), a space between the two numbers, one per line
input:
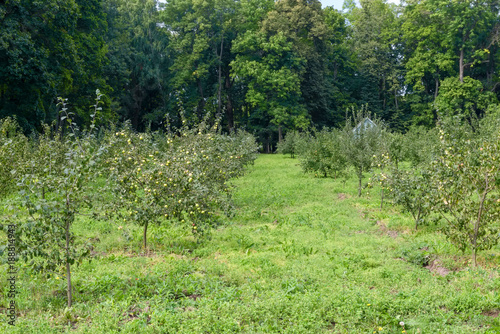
(53, 188)
(362, 137)
(467, 183)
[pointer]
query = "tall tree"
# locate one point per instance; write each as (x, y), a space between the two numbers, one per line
(302, 23)
(447, 38)
(202, 33)
(48, 49)
(341, 65)
(271, 70)
(375, 41)
(139, 61)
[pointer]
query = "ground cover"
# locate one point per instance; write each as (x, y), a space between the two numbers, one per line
(301, 255)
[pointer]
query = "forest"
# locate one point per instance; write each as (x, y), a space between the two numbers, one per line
(264, 66)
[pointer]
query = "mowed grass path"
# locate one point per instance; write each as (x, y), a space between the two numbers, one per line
(301, 255)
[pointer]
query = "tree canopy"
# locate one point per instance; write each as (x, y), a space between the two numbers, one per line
(267, 66)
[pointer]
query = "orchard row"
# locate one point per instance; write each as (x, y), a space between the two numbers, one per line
(449, 173)
(178, 176)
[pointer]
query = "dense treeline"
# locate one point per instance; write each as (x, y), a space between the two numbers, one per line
(267, 66)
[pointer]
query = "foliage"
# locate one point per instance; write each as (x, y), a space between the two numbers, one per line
(466, 181)
(412, 190)
(362, 142)
(319, 236)
(48, 49)
(182, 177)
(446, 42)
(304, 26)
(14, 151)
(375, 43)
(273, 77)
(138, 63)
(467, 98)
(52, 189)
(323, 153)
(419, 145)
(265, 66)
(394, 145)
(291, 143)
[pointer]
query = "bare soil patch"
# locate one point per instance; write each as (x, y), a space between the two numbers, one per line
(342, 196)
(383, 228)
(436, 268)
(491, 313)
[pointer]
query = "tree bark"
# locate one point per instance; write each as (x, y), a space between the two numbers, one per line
(437, 89)
(360, 177)
(382, 95)
(396, 98)
(201, 104)
(145, 235)
(490, 71)
(68, 279)
(418, 218)
(382, 198)
(68, 268)
(229, 103)
(461, 65)
(219, 93)
(478, 222)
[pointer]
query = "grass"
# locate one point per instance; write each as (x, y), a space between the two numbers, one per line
(301, 255)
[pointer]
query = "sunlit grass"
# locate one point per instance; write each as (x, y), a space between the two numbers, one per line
(301, 255)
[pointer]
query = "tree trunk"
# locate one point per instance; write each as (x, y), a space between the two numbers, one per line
(360, 177)
(382, 200)
(461, 65)
(219, 92)
(477, 223)
(418, 218)
(396, 98)
(382, 89)
(229, 103)
(437, 89)
(490, 71)
(145, 235)
(201, 104)
(68, 279)
(68, 268)
(280, 134)
(138, 97)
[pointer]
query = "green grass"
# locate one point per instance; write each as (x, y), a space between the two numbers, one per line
(301, 255)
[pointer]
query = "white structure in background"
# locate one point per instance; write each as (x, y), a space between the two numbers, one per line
(364, 124)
